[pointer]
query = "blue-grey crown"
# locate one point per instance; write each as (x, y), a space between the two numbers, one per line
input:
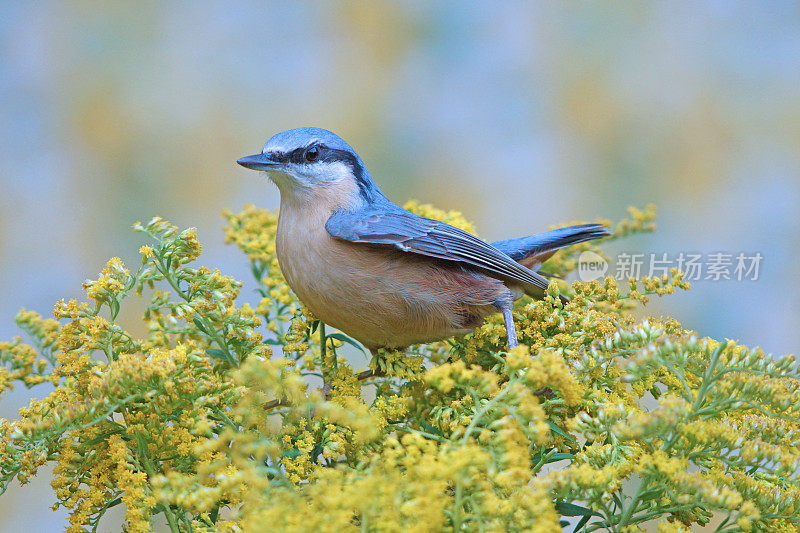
(303, 137)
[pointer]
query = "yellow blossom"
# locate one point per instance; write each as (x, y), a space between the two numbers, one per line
(632, 421)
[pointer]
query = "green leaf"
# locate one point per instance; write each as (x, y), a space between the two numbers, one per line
(655, 391)
(344, 338)
(582, 522)
(114, 305)
(560, 456)
(430, 429)
(214, 514)
(617, 501)
(113, 503)
(216, 353)
(257, 270)
(570, 509)
(560, 431)
(291, 454)
(199, 325)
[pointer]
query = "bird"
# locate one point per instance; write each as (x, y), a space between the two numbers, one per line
(382, 275)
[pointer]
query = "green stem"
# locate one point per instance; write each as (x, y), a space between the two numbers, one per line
(543, 458)
(217, 411)
(149, 468)
(211, 331)
(480, 414)
(457, 509)
(111, 411)
(425, 434)
(660, 512)
(626, 516)
(708, 378)
(326, 369)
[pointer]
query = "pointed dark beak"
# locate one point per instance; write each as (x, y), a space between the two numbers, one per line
(258, 162)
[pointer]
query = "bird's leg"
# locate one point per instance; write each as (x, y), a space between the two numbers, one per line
(377, 373)
(366, 374)
(506, 306)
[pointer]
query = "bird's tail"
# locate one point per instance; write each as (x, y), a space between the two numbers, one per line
(534, 250)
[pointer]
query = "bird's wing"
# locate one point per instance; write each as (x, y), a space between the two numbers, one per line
(395, 227)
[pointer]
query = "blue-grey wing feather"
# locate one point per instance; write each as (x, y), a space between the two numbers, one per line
(393, 226)
(523, 247)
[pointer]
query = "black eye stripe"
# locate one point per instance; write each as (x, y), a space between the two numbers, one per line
(296, 156)
(326, 154)
(332, 155)
(278, 157)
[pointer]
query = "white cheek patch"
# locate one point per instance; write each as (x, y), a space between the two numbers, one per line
(332, 172)
(318, 175)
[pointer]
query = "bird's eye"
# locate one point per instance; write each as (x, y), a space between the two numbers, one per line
(311, 154)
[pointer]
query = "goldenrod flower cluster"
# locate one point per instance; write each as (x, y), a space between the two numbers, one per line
(231, 417)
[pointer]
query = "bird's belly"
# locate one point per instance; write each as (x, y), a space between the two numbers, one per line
(386, 298)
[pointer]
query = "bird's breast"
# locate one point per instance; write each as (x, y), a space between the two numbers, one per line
(380, 296)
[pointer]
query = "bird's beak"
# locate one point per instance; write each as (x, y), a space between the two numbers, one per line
(258, 162)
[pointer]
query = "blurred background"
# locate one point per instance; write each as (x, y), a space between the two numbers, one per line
(520, 115)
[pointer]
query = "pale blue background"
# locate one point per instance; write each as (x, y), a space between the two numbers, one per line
(519, 114)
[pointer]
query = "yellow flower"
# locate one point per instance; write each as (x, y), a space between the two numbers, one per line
(549, 371)
(636, 420)
(146, 252)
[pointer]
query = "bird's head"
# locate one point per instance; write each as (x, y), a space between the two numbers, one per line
(304, 162)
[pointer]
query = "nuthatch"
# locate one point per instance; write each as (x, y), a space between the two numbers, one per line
(383, 275)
